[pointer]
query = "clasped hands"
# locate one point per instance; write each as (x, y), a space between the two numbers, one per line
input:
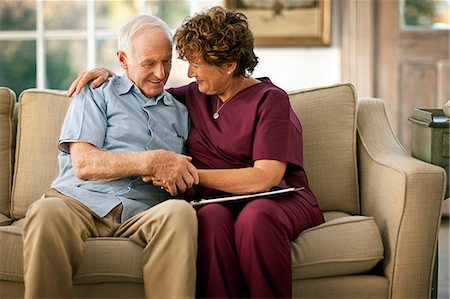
(172, 172)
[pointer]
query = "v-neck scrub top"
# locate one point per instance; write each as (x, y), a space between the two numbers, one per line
(257, 123)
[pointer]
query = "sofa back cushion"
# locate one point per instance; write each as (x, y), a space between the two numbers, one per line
(40, 117)
(7, 102)
(328, 118)
(327, 114)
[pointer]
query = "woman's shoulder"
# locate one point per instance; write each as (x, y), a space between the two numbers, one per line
(268, 86)
(270, 92)
(183, 88)
(183, 93)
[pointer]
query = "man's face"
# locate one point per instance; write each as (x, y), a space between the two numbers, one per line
(149, 63)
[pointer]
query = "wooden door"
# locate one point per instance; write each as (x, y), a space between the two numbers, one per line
(407, 62)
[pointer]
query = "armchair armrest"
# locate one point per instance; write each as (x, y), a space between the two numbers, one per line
(405, 196)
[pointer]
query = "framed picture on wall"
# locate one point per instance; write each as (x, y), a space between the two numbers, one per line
(287, 22)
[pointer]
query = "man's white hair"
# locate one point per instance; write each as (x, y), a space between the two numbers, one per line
(136, 24)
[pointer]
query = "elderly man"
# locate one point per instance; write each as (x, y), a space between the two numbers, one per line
(112, 137)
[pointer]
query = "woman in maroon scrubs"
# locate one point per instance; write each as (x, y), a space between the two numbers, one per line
(245, 138)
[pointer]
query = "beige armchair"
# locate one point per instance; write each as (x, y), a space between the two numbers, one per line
(382, 207)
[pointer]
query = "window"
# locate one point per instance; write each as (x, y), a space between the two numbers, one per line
(46, 43)
(432, 14)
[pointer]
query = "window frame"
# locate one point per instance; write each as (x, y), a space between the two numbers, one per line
(91, 35)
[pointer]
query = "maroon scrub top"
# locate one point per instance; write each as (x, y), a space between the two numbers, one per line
(257, 123)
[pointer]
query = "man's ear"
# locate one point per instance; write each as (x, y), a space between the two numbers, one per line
(122, 57)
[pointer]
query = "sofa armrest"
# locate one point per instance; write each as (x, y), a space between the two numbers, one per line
(404, 195)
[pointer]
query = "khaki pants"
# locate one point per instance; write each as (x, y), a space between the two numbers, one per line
(57, 226)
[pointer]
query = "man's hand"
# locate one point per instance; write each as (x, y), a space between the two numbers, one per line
(97, 76)
(173, 172)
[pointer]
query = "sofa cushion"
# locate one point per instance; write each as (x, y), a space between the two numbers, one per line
(7, 102)
(95, 264)
(11, 254)
(36, 155)
(356, 248)
(328, 117)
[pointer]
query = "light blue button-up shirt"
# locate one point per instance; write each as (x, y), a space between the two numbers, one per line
(118, 117)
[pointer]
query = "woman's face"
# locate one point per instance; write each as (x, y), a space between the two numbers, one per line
(211, 79)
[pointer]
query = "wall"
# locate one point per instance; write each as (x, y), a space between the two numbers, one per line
(290, 68)
(300, 68)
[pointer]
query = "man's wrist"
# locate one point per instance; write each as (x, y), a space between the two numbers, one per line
(145, 163)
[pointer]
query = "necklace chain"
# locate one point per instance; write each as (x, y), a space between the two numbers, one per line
(216, 114)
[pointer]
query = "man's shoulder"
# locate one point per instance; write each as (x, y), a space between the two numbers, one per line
(89, 91)
(113, 85)
(113, 88)
(169, 98)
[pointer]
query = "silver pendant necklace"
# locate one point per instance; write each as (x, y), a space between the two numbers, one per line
(216, 114)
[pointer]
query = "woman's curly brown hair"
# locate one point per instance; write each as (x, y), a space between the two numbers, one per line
(218, 36)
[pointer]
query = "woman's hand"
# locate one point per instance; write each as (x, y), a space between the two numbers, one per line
(97, 76)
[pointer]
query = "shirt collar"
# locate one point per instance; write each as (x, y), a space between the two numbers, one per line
(125, 85)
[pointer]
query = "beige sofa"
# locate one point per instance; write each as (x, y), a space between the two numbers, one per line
(382, 206)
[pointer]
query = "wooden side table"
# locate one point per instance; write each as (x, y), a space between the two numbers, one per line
(431, 138)
(430, 143)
